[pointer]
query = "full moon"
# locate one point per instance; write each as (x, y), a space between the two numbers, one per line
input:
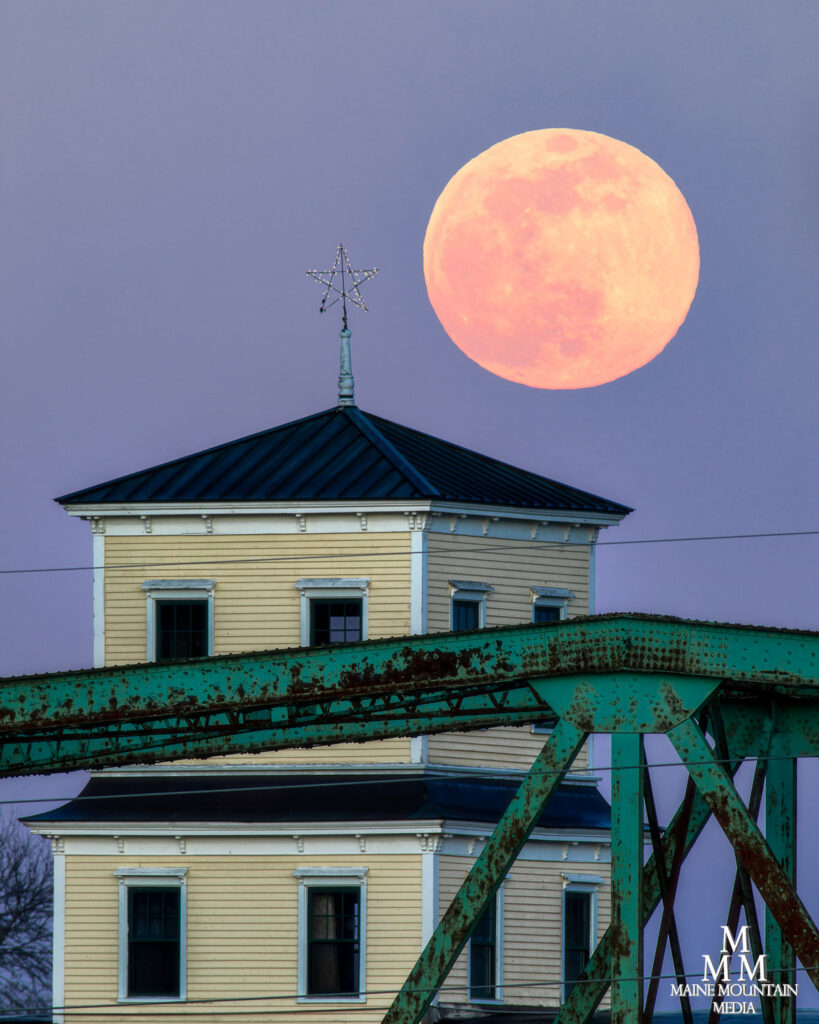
(561, 259)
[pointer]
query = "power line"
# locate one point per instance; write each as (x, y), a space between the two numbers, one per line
(453, 550)
(271, 997)
(324, 784)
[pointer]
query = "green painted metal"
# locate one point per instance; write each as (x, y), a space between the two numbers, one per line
(625, 674)
(627, 838)
(780, 832)
(625, 701)
(679, 838)
(405, 686)
(793, 726)
(772, 660)
(749, 844)
(489, 870)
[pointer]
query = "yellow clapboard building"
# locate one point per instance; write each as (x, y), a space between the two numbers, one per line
(302, 885)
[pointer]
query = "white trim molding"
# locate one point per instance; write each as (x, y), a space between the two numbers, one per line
(317, 587)
(98, 561)
(419, 547)
(551, 597)
(342, 878)
(175, 590)
(58, 940)
(151, 878)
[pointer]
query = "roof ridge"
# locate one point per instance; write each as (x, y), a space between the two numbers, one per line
(196, 455)
(362, 420)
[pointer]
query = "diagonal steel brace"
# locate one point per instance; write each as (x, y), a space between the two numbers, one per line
(750, 845)
(513, 829)
(682, 831)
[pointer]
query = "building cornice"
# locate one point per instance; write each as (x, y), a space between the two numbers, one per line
(255, 508)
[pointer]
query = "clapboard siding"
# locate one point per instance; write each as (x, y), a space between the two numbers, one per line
(532, 928)
(512, 567)
(256, 604)
(242, 932)
(502, 748)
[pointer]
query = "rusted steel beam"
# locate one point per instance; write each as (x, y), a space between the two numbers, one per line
(680, 835)
(650, 702)
(599, 644)
(167, 739)
(489, 870)
(667, 883)
(748, 903)
(780, 831)
(626, 929)
(765, 871)
(736, 901)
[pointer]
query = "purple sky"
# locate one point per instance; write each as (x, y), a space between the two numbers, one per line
(171, 168)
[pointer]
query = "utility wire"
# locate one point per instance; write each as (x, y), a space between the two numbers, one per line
(403, 551)
(404, 776)
(445, 988)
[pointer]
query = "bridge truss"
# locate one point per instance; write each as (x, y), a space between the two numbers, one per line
(721, 694)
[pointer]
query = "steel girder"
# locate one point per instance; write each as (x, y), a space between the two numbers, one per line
(756, 689)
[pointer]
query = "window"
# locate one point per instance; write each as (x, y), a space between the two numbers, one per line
(179, 619)
(576, 937)
(467, 604)
(333, 611)
(545, 613)
(465, 615)
(180, 630)
(333, 941)
(335, 622)
(550, 604)
(484, 954)
(579, 925)
(152, 912)
(332, 933)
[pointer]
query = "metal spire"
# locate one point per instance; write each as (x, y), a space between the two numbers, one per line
(350, 281)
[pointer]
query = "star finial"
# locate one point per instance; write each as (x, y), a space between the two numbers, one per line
(349, 279)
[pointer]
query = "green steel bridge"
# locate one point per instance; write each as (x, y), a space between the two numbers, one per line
(721, 694)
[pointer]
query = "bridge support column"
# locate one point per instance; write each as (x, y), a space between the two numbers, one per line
(780, 831)
(626, 878)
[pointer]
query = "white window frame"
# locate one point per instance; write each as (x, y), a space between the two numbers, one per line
(551, 597)
(578, 883)
(175, 590)
(498, 956)
(330, 587)
(469, 590)
(151, 878)
(326, 878)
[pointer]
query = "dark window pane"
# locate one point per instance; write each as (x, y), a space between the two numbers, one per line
(483, 956)
(333, 941)
(335, 622)
(465, 615)
(576, 937)
(546, 613)
(181, 630)
(153, 941)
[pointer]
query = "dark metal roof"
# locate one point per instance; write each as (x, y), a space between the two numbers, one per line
(301, 798)
(342, 454)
